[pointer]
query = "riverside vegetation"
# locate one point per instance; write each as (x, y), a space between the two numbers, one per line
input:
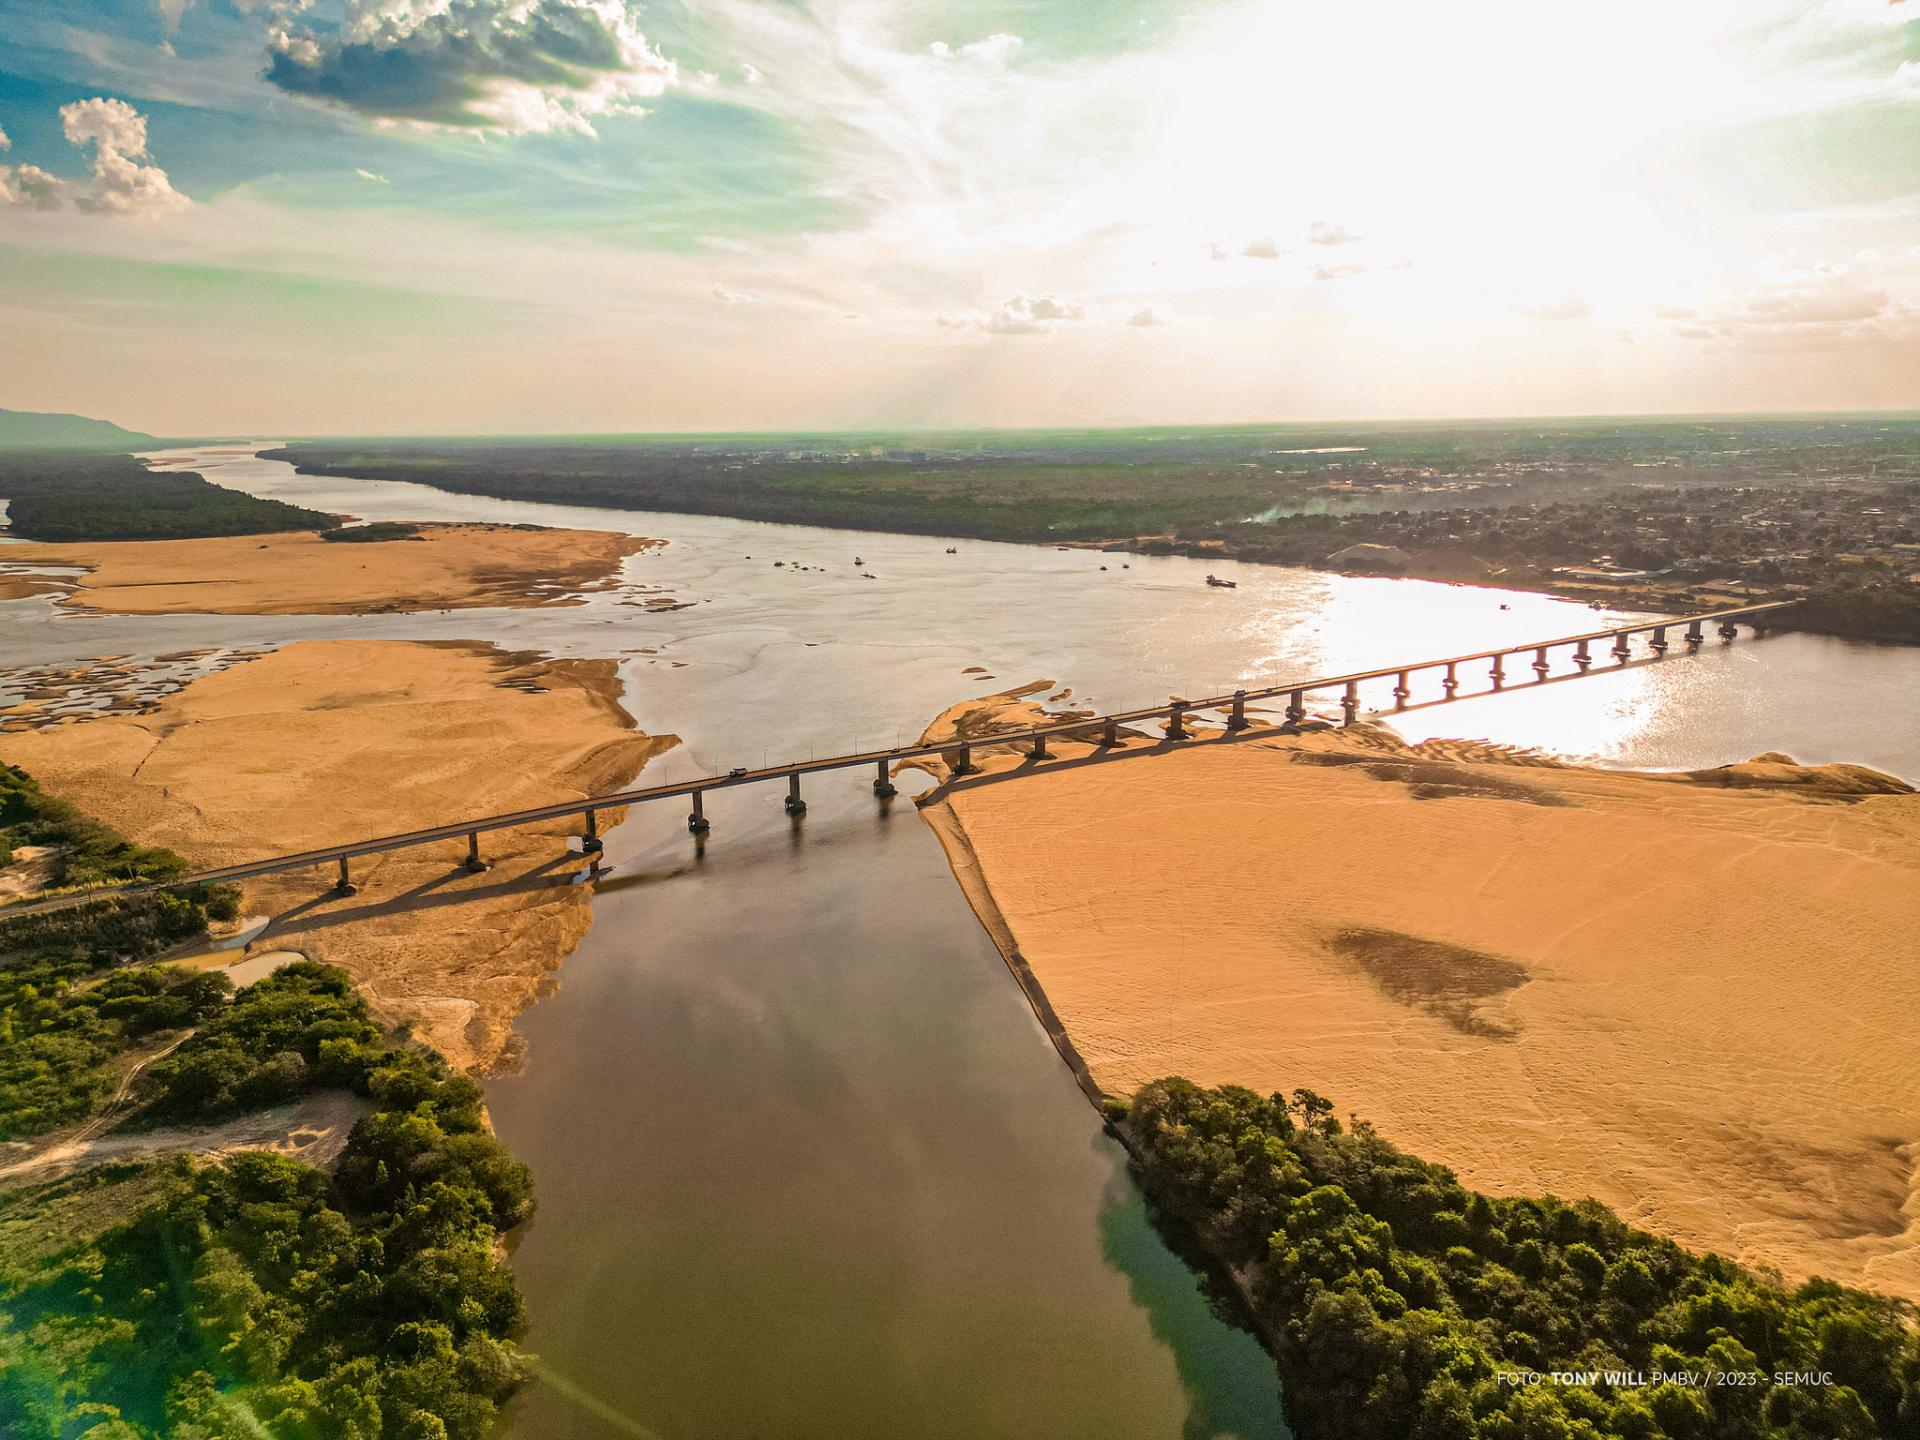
(1825, 510)
(254, 1295)
(1402, 1306)
(65, 496)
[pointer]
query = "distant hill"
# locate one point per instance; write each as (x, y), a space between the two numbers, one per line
(30, 430)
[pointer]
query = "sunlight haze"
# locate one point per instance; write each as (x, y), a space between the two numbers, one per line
(387, 216)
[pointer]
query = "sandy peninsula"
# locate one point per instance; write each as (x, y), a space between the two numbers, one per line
(1689, 996)
(446, 567)
(333, 740)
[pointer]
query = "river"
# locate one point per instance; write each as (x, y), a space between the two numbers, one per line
(806, 1164)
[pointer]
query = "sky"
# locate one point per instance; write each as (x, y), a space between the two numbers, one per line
(293, 217)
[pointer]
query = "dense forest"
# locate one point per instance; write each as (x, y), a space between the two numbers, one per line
(60, 495)
(256, 1296)
(1402, 1306)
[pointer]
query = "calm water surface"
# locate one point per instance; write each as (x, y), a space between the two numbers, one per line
(807, 1166)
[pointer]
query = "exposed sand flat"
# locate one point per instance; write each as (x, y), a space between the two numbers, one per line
(328, 741)
(448, 567)
(1690, 997)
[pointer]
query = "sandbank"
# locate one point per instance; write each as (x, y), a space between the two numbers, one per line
(448, 567)
(327, 741)
(1688, 996)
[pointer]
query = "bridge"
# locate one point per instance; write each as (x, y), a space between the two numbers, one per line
(1101, 730)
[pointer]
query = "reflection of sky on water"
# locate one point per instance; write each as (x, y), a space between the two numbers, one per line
(801, 662)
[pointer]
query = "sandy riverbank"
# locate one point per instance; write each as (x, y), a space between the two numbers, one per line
(448, 567)
(333, 740)
(1689, 997)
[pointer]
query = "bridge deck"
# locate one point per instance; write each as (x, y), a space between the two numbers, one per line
(463, 829)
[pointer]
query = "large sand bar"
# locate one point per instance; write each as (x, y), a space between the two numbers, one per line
(1692, 998)
(328, 741)
(446, 567)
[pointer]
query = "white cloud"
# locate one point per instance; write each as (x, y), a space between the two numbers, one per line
(996, 49)
(369, 175)
(1336, 272)
(5, 143)
(124, 180)
(515, 66)
(733, 297)
(1022, 315)
(1323, 232)
(1149, 316)
(751, 75)
(1261, 249)
(1573, 307)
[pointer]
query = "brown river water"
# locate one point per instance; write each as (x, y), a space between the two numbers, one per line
(807, 1166)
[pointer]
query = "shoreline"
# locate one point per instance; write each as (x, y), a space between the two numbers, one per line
(1851, 1223)
(447, 566)
(320, 740)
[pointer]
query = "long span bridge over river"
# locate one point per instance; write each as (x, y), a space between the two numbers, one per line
(1101, 730)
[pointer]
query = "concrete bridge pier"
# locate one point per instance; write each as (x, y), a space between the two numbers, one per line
(1499, 671)
(590, 842)
(1659, 641)
(1176, 723)
(1729, 631)
(963, 761)
(882, 782)
(1581, 657)
(795, 805)
(1296, 707)
(475, 865)
(1452, 681)
(1540, 665)
(1694, 637)
(1401, 692)
(344, 885)
(1110, 736)
(1622, 648)
(1040, 751)
(1350, 702)
(1237, 717)
(697, 822)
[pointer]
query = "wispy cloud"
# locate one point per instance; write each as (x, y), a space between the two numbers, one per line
(1149, 316)
(1323, 232)
(1022, 315)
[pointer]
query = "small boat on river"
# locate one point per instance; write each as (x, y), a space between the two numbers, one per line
(1219, 584)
